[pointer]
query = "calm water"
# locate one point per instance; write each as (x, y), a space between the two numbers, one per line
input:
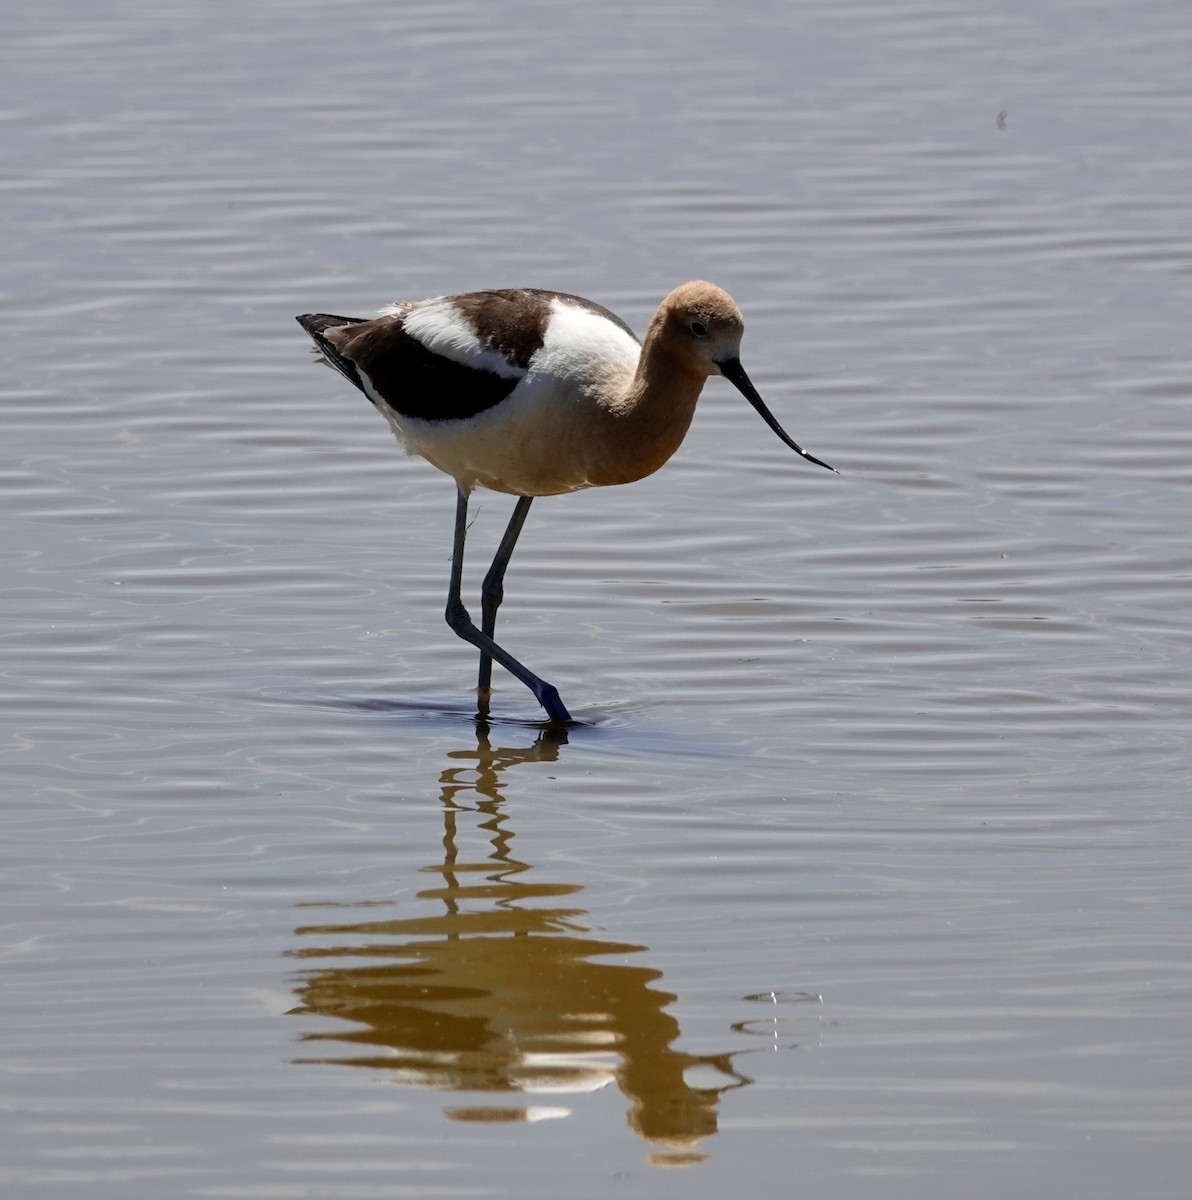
(869, 867)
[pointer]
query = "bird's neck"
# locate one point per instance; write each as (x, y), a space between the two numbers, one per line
(648, 421)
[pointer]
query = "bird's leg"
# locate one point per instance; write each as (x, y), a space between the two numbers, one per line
(462, 626)
(493, 592)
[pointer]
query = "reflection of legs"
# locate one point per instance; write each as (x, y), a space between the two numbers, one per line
(493, 592)
(461, 623)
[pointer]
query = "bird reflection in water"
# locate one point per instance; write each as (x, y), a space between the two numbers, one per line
(503, 989)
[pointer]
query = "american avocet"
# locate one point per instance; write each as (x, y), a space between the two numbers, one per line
(536, 393)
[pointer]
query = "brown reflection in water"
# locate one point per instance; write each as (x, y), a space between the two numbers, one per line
(497, 991)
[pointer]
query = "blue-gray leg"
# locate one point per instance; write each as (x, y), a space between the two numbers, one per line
(461, 623)
(493, 591)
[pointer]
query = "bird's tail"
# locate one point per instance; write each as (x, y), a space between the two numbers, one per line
(316, 324)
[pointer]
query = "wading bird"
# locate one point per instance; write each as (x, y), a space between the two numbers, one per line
(536, 393)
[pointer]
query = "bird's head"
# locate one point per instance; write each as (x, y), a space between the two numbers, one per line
(701, 328)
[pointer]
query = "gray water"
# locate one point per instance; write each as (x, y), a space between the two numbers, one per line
(866, 872)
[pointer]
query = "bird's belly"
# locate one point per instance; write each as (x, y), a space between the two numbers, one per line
(525, 446)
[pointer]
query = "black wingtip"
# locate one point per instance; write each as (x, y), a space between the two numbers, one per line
(317, 324)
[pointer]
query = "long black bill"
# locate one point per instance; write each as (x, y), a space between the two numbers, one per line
(732, 370)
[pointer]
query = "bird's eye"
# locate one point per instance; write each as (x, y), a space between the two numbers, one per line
(698, 328)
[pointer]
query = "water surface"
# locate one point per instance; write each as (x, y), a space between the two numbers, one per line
(868, 864)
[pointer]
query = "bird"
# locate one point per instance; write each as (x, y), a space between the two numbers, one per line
(531, 392)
